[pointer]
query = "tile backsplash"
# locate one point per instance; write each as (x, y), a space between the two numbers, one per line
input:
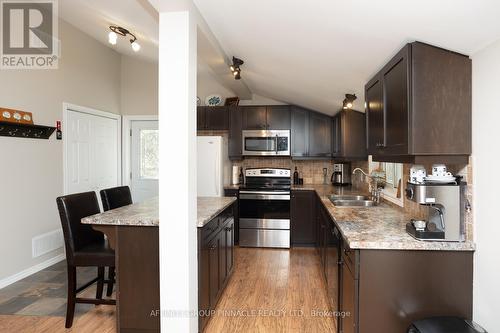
(312, 173)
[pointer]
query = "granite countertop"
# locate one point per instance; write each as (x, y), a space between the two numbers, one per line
(210, 207)
(381, 227)
(139, 214)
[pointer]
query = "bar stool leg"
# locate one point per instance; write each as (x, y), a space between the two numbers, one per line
(100, 282)
(70, 307)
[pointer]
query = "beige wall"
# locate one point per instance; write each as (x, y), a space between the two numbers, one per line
(139, 87)
(31, 170)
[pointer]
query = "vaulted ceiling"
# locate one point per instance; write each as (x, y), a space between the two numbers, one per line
(95, 16)
(312, 52)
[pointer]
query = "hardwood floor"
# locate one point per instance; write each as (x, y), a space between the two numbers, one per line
(99, 319)
(285, 286)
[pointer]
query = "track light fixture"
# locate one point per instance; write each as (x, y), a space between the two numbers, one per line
(348, 100)
(116, 30)
(235, 68)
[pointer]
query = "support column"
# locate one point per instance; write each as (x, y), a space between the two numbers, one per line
(178, 211)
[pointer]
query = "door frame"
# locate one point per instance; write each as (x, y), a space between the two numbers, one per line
(95, 112)
(126, 143)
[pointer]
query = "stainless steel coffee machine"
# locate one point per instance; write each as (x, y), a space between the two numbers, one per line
(446, 209)
(341, 174)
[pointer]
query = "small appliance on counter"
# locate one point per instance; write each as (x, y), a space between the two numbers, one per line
(341, 175)
(446, 204)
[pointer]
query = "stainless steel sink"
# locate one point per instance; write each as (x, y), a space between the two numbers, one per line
(351, 200)
(348, 197)
(353, 203)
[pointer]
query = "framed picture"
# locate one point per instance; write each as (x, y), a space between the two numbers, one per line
(232, 101)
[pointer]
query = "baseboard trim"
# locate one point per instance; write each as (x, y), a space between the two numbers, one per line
(31, 270)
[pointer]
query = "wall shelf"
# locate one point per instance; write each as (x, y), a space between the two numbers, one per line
(19, 130)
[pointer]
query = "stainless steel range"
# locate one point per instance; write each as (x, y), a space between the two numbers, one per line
(265, 208)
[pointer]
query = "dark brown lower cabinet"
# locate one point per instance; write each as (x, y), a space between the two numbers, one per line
(302, 218)
(215, 261)
(385, 290)
(380, 291)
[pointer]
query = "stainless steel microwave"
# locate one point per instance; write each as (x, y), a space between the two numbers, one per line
(266, 143)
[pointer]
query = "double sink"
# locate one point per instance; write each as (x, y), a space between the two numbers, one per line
(352, 200)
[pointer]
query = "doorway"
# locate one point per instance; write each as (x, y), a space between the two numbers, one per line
(141, 156)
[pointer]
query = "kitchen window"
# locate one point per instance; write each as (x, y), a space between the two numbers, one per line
(393, 173)
(149, 154)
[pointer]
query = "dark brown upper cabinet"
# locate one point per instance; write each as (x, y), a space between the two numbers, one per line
(276, 117)
(235, 127)
(300, 132)
(212, 118)
(320, 135)
(254, 117)
(311, 134)
(349, 136)
(419, 107)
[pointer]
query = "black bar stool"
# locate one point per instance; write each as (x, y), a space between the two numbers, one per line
(115, 197)
(85, 247)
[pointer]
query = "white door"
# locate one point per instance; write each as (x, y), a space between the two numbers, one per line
(144, 159)
(92, 159)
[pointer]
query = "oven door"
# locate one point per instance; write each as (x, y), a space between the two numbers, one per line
(266, 143)
(265, 205)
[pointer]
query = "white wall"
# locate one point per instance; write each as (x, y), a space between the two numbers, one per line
(31, 170)
(486, 159)
(207, 84)
(139, 86)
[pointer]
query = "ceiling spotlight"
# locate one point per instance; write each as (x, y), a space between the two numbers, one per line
(348, 101)
(116, 30)
(235, 68)
(112, 37)
(135, 46)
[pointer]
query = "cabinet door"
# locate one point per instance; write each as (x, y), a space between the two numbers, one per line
(300, 132)
(204, 282)
(229, 230)
(254, 118)
(200, 118)
(374, 116)
(222, 257)
(320, 135)
(213, 254)
(395, 85)
(235, 128)
(303, 226)
(332, 266)
(337, 135)
(217, 118)
(348, 300)
(278, 117)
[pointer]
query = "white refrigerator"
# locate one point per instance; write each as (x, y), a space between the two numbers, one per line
(214, 168)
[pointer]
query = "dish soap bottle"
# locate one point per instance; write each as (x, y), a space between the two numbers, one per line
(295, 177)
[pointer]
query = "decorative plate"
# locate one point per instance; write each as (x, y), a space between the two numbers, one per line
(213, 100)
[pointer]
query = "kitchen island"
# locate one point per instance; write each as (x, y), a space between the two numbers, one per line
(133, 233)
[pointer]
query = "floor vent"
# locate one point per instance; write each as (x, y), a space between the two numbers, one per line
(47, 242)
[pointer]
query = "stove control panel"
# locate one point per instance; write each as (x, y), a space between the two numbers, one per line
(267, 172)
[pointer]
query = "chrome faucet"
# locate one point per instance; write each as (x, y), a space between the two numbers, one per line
(375, 185)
